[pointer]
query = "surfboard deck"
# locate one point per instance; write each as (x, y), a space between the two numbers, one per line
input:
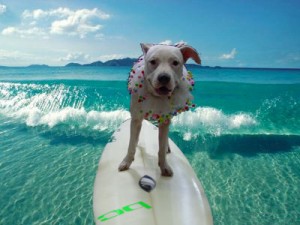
(118, 198)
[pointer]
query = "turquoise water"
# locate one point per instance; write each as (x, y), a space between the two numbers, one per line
(242, 139)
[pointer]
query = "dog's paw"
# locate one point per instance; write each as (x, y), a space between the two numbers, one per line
(124, 165)
(166, 170)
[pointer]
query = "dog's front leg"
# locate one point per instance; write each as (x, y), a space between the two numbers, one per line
(135, 128)
(163, 148)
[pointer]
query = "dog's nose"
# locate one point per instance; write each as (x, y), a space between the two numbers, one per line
(164, 78)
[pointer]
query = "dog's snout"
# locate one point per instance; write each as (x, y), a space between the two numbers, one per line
(164, 78)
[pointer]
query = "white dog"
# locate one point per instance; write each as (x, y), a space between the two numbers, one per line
(160, 87)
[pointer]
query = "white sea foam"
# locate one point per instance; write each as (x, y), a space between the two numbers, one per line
(205, 120)
(74, 118)
(42, 105)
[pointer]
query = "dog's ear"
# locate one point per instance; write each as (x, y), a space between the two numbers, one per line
(189, 52)
(145, 47)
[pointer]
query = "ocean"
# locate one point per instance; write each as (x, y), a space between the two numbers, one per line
(242, 139)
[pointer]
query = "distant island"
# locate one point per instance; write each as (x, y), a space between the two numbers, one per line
(30, 66)
(113, 62)
(120, 62)
(38, 66)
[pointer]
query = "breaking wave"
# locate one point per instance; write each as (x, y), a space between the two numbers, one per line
(212, 121)
(92, 108)
(51, 106)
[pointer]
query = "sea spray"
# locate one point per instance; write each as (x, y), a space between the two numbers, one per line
(58, 104)
(207, 120)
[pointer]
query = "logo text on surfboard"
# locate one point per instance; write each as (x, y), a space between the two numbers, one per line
(125, 209)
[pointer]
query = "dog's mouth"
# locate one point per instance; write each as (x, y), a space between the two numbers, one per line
(163, 91)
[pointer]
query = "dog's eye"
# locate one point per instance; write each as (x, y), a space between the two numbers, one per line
(175, 63)
(153, 62)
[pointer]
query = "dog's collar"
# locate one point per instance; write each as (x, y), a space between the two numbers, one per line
(172, 105)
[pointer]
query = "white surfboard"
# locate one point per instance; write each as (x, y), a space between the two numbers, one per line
(118, 198)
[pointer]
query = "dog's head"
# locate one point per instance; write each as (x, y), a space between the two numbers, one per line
(163, 66)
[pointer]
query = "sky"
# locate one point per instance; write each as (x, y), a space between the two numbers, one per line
(234, 33)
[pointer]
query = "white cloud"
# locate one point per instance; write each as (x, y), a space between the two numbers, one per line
(79, 57)
(292, 59)
(24, 33)
(4, 54)
(24, 57)
(231, 55)
(169, 42)
(9, 30)
(64, 12)
(99, 36)
(35, 14)
(2, 9)
(60, 21)
(166, 42)
(105, 58)
(79, 22)
(76, 57)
